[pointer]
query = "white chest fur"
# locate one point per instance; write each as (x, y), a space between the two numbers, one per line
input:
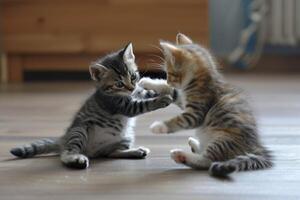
(101, 138)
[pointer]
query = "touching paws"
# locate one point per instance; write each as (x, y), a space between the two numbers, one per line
(146, 83)
(141, 93)
(178, 156)
(158, 127)
(160, 86)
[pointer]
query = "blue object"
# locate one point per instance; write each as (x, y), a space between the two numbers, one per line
(250, 47)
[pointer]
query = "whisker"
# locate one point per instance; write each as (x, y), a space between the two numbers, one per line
(157, 48)
(153, 60)
(157, 56)
(156, 67)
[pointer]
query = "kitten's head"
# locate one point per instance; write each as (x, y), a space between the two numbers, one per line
(185, 60)
(117, 72)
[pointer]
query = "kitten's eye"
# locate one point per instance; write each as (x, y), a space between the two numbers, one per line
(119, 84)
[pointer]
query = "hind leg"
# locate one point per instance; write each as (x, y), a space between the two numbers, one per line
(73, 145)
(74, 160)
(196, 161)
(136, 153)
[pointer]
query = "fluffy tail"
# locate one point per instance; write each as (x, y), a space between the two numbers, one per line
(43, 146)
(241, 163)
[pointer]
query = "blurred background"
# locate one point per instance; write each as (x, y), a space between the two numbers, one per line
(53, 40)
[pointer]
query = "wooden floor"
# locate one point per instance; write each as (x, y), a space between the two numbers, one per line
(34, 111)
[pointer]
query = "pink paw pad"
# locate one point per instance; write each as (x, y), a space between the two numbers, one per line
(178, 156)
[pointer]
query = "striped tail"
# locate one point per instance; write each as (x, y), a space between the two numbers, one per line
(241, 163)
(43, 146)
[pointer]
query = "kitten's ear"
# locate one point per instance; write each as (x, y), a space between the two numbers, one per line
(169, 48)
(171, 51)
(97, 70)
(183, 39)
(127, 52)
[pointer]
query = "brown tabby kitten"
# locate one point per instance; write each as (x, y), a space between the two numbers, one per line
(220, 114)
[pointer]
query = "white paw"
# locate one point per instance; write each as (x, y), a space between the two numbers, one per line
(178, 155)
(158, 127)
(160, 86)
(146, 83)
(194, 144)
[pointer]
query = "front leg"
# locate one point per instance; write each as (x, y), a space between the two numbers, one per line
(73, 146)
(138, 153)
(186, 120)
(132, 107)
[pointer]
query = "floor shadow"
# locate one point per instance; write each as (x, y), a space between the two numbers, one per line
(153, 179)
(35, 157)
(149, 177)
(175, 174)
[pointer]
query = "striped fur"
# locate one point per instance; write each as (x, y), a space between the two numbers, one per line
(220, 114)
(103, 125)
(43, 146)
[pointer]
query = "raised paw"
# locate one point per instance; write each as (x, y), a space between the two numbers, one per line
(178, 156)
(194, 144)
(76, 161)
(141, 93)
(150, 94)
(158, 127)
(160, 86)
(146, 83)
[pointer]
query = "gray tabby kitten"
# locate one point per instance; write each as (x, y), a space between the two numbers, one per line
(103, 125)
(227, 137)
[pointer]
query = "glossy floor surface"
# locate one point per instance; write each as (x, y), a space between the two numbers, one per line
(33, 111)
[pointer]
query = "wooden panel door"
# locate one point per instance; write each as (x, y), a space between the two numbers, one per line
(75, 28)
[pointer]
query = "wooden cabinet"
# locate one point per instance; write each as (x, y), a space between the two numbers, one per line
(67, 34)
